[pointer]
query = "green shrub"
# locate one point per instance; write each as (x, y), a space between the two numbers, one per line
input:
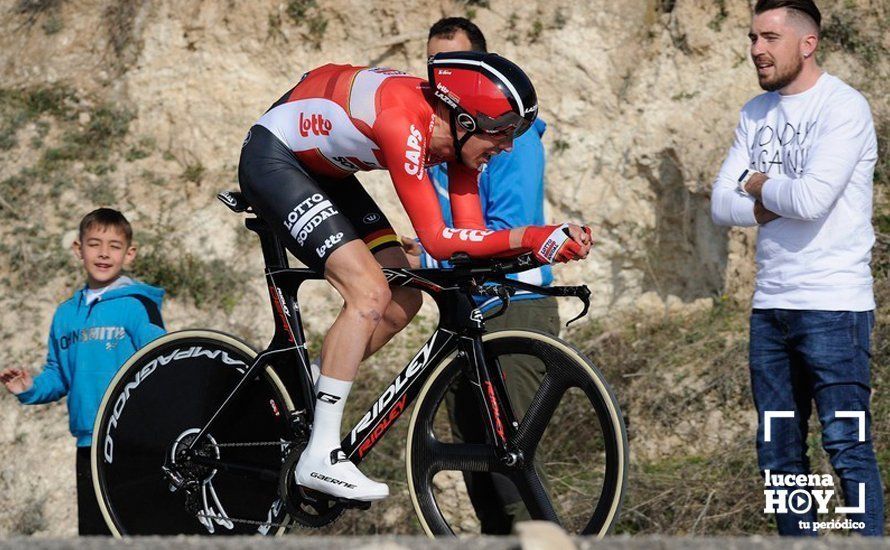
(52, 25)
(842, 32)
(209, 283)
(36, 6)
(30, 518)
(716, 24)
(306, 13)
(194, 172)
(297, 10)
(142, 149)
(560, 146)
(21, 106)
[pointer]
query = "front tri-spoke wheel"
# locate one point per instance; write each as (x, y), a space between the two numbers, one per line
(569, 439)
(150, 474)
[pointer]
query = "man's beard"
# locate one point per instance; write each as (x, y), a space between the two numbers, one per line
(782, 79)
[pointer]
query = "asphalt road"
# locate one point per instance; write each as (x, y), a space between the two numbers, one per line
(531, 535)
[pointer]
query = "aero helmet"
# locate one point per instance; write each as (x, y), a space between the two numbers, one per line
(485, 93)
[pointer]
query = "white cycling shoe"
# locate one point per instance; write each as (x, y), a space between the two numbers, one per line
(334, 474)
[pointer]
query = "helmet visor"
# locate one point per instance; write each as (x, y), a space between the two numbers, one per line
(504, 123)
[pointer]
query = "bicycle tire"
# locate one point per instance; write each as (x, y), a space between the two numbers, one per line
(427, 453)
(155, 389)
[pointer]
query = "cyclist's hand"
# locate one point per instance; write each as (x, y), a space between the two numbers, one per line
(16, 380)
(411, 246)
(557, 243)
(412, 250)
(582, 237)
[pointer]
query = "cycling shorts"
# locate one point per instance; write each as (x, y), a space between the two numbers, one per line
(313, 215)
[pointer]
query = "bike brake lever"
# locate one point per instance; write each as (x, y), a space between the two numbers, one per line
(583, 294)
(504, 294)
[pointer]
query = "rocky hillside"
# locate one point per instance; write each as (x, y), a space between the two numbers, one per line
(142, 105)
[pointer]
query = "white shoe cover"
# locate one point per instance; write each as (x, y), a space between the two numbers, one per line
(334, 474)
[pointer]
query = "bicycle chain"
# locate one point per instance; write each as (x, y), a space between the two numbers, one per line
(253, 444)
(254, 521)
(247, 521)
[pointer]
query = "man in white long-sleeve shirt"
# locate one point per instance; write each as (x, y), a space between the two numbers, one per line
(801, 168)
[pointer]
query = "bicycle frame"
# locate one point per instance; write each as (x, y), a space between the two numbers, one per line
(460, 330)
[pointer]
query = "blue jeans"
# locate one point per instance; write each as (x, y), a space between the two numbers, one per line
(797, 357)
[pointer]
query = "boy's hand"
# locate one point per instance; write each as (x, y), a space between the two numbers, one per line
(16, 380)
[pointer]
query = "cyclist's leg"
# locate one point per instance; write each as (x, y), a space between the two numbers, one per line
(375, 230)
(355, 274)
(312, 227)
(402, 308)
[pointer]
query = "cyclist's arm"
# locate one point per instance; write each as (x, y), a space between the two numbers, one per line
(463, 193)
(515, 201)
(512, 186)
(51, 384)
(403, 145)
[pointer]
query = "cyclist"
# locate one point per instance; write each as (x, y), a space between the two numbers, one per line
(297, 170)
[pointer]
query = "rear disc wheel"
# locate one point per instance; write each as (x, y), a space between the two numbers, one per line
(148, 481)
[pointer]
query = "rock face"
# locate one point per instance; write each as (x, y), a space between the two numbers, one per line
(144, 106)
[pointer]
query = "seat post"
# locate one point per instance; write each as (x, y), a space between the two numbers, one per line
(274, 253)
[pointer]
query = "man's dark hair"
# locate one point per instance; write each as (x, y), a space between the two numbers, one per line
(803, 7)
(105, 217)
(448, 26)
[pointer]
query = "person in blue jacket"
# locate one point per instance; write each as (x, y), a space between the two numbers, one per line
(511, 192)
(92, 334)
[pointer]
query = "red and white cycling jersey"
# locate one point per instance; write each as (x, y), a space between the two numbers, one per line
(341, 119)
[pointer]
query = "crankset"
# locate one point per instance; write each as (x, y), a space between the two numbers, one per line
(307, 507)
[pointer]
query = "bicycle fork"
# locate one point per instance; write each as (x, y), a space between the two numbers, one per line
(498, 411)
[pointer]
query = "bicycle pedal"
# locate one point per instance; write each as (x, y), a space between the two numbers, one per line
(357, 504)
(314, 495)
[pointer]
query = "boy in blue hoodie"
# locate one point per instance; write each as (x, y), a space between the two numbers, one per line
(92, 334)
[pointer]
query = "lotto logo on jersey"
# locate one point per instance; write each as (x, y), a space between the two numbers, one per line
(307, 215)
(315, 124)
(474, 235)
(328, 244)
(413, 153)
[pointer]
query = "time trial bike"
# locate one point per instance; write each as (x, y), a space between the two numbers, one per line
(199, 433)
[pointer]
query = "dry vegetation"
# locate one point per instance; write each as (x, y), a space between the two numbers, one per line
(682, 381)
